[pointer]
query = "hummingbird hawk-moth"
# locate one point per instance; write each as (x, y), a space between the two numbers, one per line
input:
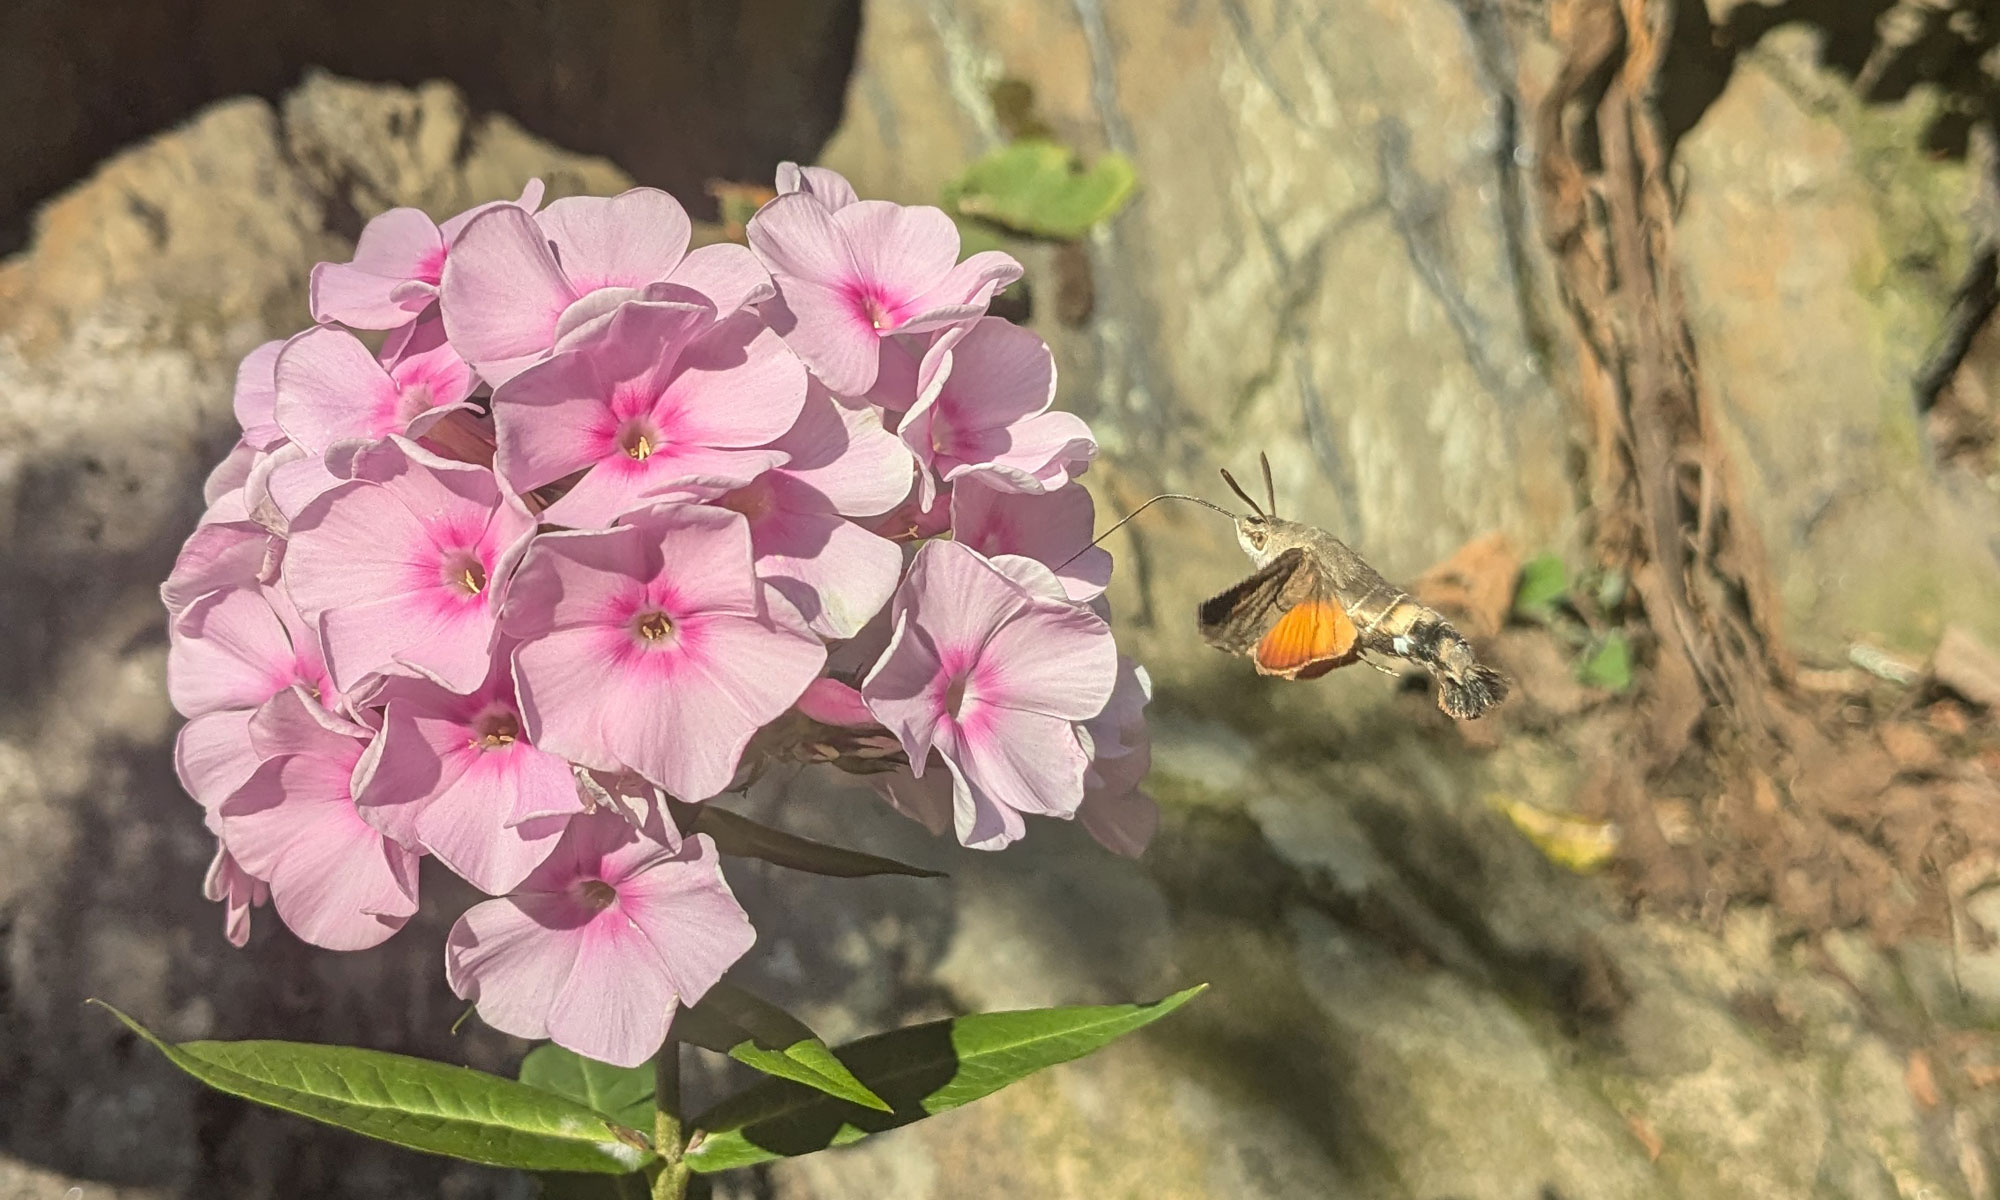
(1313, 606)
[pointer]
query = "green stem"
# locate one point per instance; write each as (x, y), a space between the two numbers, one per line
(669, 1139)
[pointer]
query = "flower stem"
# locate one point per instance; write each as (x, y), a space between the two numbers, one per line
(669, 1139)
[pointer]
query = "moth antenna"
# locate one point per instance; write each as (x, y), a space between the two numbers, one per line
(1241, 494)
(1270, 493)
(1142, 508)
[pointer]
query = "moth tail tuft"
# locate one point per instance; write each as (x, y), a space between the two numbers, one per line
(1467, 688)
(1469, 694)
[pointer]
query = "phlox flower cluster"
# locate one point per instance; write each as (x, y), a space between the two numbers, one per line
(551, 529)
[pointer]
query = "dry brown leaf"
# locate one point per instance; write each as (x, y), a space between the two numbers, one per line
(1647, 1135)
(1967, 666)
(1922, 1084)
(1476, 583)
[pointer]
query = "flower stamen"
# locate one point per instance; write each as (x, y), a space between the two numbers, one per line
(655, 625)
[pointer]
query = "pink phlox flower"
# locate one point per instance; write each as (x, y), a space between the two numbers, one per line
(995, 678)
(257, 395)
(828, 187)
(1052, 528)
(517, 287)
(459, 778)
(404, 565)
(1115, 811)
(229, 652)
(839, 463)
(661, 401)
(602, 943)
(330, 387)
(335, 880)
(397, 265)
(848, 278)
(237, 891)
(652, 647)
(222, 491)
(983, 407)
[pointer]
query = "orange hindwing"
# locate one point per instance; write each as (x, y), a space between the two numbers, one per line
(1308, 641)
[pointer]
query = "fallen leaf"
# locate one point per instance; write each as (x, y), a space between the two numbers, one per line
(1909, 746)
(1573, 843)
(1647, 1135)
(1476, 582)
(1967, 666)
(1918, 1079)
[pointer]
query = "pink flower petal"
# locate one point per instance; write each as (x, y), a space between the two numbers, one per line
(401, 244)
(627, 240)
(228, 650)
(330, 387)
(834, 572)
(728, 274)
(512, 957)
(823, 327)
(734, 385)
(831, 702)
(964, 293)
(900, 251)
(1053, 528)
(256, 396)
(213, 756)
(503, 293)
(830, 188)
(795, 236)
(1056, 659)
(225, 554)
(839, 449)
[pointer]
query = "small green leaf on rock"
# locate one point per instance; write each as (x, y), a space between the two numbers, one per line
(625, 1094)
(1035, 186)
(1544, 583)
(412, 1102)
(759, 1034)
(920, 1071)
(1609, 666)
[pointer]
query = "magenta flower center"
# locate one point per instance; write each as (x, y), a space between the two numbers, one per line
(464, 573)
(954, 695)
(595, 893)
(414, 401)
(878, 310)
(496, 730)
(653, 626)
(639, 439)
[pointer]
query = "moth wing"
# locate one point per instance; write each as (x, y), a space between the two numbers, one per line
(1313, 637)
(1236, 620)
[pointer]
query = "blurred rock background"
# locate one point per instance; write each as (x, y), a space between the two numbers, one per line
(1341, 252)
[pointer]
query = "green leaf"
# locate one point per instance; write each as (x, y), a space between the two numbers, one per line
(759, 1034)
(1609, 666)
(736, 834)
(921, 1071)
(412, 1102)
(1544, 583)
(625, 1094)
(1034, 186)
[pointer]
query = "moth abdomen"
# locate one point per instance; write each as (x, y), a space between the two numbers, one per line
(1466, 686)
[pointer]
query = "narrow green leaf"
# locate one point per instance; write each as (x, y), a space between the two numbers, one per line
(759, 1034)
(921, 1071)
(1544, 582)
(625, 1094)
(412, 1102)
(1034, 186)
(1609, 666)
(738, 835)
